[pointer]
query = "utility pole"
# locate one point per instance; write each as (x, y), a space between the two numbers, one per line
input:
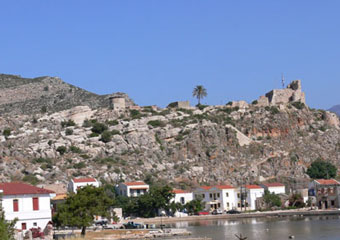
(283, 80)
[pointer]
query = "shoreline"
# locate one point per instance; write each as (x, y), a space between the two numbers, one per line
(279, 213)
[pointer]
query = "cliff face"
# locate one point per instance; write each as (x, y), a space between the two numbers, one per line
(219, 144)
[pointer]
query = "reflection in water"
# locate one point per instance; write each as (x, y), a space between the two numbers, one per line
(269, 228)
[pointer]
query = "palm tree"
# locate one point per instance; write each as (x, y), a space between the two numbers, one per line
(199, 92)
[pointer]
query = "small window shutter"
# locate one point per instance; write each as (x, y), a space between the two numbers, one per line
(35, 204)
(15, 205)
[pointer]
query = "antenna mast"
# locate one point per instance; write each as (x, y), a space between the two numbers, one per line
(283, 80)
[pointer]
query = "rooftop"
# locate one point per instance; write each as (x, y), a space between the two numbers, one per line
(19, 188)
(253, 187)
(134, 183)
(177, 191)
(275, 184)
(83, 180)
(327, 182)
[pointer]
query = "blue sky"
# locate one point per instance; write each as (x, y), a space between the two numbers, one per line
(157, 51)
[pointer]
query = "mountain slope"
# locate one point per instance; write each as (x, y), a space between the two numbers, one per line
(26, 96)
(335, 109)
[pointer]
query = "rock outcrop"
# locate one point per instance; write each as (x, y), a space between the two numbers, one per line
(234, 143)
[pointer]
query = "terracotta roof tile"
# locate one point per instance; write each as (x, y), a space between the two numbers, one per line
(177, 191)
(224, 187)
(253, 187)
(134, 183)
(19, 188)
(327, 182)
(82, 180)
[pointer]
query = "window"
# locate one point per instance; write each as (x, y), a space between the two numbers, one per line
(35, 224)
(211, 196)
(35, 204)
(239, 205)
(182, 200)
(227, 194)
(138, 191)
(218, 195)
(227, 204)
(238, 195)
(23, 226)
(203, 196)
(15, 205)
(219, 205)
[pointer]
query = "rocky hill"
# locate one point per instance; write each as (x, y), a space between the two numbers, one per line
(45, 94)
(335, 109)
(275, 137)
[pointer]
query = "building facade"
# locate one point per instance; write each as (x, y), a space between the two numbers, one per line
(220, 197)
(77, 183)
(29, 204)
(277, 188)
(132, 189)
(182, 196)
(326, 193)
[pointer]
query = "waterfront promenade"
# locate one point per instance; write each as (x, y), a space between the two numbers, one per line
(278, 213)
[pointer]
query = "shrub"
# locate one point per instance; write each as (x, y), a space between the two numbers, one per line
(135, 114)
(42, 160)
(115, 132)
(254, 102)
(68, 123)
(98, 127)
(61, 150)
(79, 165)
(106, 136)
(93, 135)
(298, 105)
(74, 149)
(32, 179)
(156, 123)
(68, 131)
(43, 109)
(112, 122)
(46, 88)
(7, 132)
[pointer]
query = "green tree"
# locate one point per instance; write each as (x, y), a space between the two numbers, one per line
(7, 132)
(194, 206)
(271, 199)
(6, 227)
(80, 209)
(199, 92)
(321, 169)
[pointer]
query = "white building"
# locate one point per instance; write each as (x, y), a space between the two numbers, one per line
(132, 189)
(30, 205)
(77, 183)
(276, 188)
(217, 197)
(253, 192)
(182, 196)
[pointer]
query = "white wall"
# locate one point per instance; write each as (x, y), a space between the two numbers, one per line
(26, 213)
(253, 194)
(277, 190)
(132, 191)
(73, 186)
(187, 197)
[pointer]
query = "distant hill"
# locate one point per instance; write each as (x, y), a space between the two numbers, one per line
(20, 95)
(335, 109)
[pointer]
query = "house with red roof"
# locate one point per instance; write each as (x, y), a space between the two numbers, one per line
(132, 189)
(277, 188)
(29, 204)
(77, 183)
(182, 196)
(220, 197)
(325, 193)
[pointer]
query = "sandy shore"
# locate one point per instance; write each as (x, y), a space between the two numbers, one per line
(280, 213)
